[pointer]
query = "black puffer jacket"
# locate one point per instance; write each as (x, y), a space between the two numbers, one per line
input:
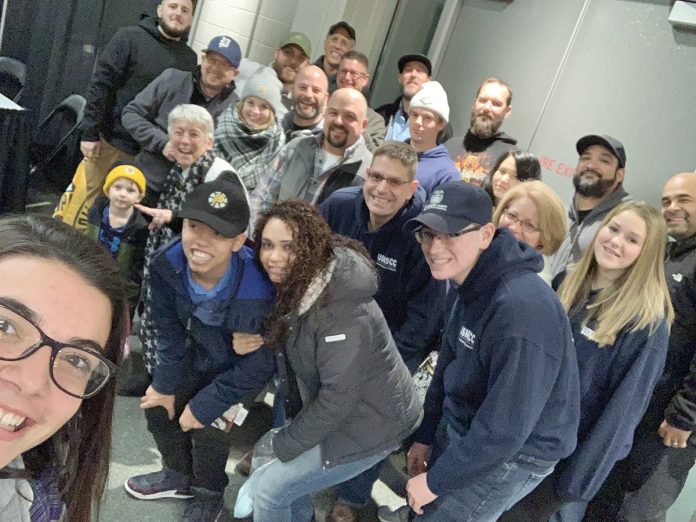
(358, 397)
(132, 59)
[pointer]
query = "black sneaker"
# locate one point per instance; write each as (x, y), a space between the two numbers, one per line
(160, 484)
(206, 506)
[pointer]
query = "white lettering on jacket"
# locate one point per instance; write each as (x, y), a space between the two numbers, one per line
(467, 338)
(387, 263)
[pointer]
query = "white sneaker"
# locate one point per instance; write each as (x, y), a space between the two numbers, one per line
(398, 515)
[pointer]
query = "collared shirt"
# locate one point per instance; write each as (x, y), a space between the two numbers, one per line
(398, 126)
(268, 187)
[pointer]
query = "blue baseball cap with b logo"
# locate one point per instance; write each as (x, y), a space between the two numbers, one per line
(227, 47)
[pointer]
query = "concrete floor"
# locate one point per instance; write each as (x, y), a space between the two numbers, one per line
(134, 453)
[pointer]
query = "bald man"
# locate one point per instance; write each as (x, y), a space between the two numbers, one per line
(313, 167)
(643, 486)
(308, 93)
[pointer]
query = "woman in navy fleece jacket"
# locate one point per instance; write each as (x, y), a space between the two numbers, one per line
(619, 308)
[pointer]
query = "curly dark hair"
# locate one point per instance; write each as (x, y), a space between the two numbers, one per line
(313, 248)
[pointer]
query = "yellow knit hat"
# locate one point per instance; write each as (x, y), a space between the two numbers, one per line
(125, 171)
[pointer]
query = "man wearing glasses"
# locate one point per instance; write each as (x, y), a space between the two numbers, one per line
(353, 73)
(503, 405)
(410, 299)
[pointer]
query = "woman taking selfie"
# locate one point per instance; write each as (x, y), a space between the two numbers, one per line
(620, 312)
(355, 398)
(62, 325)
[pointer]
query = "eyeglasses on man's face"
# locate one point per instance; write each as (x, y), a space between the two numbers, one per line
(79, 371)
(377, 178)
(426, 236)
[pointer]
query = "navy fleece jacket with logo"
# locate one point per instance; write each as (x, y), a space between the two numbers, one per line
(507, 375)
(616, 383)
(410, 299)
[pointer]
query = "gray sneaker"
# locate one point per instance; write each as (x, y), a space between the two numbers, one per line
(401, 514)
(206, 506)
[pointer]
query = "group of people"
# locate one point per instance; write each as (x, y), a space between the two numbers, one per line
(271, 231)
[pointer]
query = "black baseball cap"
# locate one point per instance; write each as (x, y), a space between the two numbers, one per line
(221, 204)
(421, 58)
(612, 144)
(345, 26)
(452, 207)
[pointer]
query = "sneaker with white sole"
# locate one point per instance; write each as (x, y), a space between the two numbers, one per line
(166, 483)
(401, 514)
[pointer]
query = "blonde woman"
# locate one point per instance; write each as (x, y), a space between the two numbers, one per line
(620, 312)
(534, 214)
(249, 134)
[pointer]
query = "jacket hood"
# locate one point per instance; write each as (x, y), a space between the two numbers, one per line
(436, 152)
(348, 276)
(502, 259)
(472, 141)
(605, 204)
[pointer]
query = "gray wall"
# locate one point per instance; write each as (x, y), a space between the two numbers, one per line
(577, 67)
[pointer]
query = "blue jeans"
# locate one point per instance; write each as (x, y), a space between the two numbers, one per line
(488, 496)
(283, 491)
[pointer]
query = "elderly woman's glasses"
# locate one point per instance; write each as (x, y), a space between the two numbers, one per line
(526, 225)
(79, 371)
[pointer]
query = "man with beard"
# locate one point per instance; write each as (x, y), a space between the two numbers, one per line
(644, 485)
(309, 92)
(211, 86)
(414, 71)
(339, 40)
(313, 167)
(291, 55)
(477, 153)
(353, 72)
(133, 58)
(598, 189)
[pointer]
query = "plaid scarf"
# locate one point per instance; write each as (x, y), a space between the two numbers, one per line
(248, 151)
(178, 185)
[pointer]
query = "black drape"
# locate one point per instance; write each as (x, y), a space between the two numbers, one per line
(14, 162)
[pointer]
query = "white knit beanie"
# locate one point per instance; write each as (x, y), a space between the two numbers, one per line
(264, 84)
(432, 97)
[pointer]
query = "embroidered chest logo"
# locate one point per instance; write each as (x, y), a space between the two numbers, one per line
(677, 277)
(387, 263)
(467, 337)
(587, 332)
(217, 200)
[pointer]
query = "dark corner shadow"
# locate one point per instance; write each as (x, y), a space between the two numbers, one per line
(684, 35)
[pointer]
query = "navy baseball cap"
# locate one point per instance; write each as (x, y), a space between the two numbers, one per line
(452, 207)
(420, 58)
(227, 47)
(345, 26)
(221, 204)
(612, 144)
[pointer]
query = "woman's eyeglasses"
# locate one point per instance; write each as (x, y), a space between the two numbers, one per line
(525, 224)
(77, 370)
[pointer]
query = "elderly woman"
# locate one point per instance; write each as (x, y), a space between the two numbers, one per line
(249, 134)
(535, 215)
(191, 131)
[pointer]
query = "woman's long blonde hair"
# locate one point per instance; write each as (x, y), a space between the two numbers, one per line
(639, 298)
